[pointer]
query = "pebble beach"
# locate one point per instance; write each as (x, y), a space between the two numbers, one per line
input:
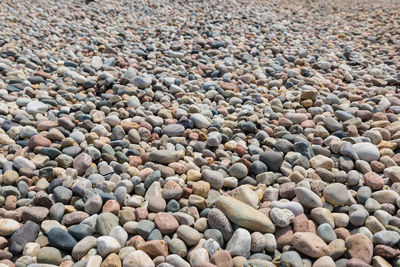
(199, 133)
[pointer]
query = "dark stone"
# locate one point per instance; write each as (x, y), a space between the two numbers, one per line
(51, 152)
(36, 79)
(61, 239)
(272, 159)
(27, 233)
(80, 231)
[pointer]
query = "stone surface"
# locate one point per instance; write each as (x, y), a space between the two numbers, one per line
(199, 133)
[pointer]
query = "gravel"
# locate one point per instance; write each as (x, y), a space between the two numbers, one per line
(199, 133)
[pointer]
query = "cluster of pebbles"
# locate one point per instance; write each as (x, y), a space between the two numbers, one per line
(199, 133)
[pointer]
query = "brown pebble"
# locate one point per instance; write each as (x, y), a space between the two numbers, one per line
(141, 214)
(11, 202)
(135, 241)
(359, 246)
(222, 258)
(111, 206)
(386, 251)
(154, 248)
(112, 260)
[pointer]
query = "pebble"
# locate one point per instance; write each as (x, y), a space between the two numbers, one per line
(8, 227)
(291, 259)
(163, 156)
(188, 234)
(34, 107)
(214, 178)
(83, 246)
(106, 245)
(336, 194)
(219, 222)
(244, 215)
(137, 258)
(366, 151)
(49, 255)
(360, 247)
(240, 243)
(25, 234)
(272, 159)
(308, 198)
(166, 223)
(324, 261)
(105, 222)
(238, 170)
(309, 244)
(61, 239)
(281, 217)
(385, 237)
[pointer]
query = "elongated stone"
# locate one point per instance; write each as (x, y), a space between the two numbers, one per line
(244, 215)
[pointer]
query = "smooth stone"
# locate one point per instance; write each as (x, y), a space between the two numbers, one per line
(105, 222)
(80, 231)
(119, 234)
(217, 220)
(61, 239)
(82, 247)
(385, 237)
(62, 194)
(324, 261)
(215, 178)
(200, 121)
(246, 195)
(295, 207)
(291, 259)
(308, 198)
(49, 255)
(326, 232)
(47, 225)
(310, 244)
(82, 162)
(360, 247)
(366, 151)
(238, 170)
(240, 243)
(21, 162)
(93, 204)
(144, 228)
(244, 215)
(27, 233)
(281, 217)
(107, 245)
(321, 161)
(34, 107)
(357, 215)
(272, 159)
(172, 130)
(166, 223)
(163, 156)
(137, 259)
(8, 227)
(188, 234)
(336, 194)
(177, 261)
